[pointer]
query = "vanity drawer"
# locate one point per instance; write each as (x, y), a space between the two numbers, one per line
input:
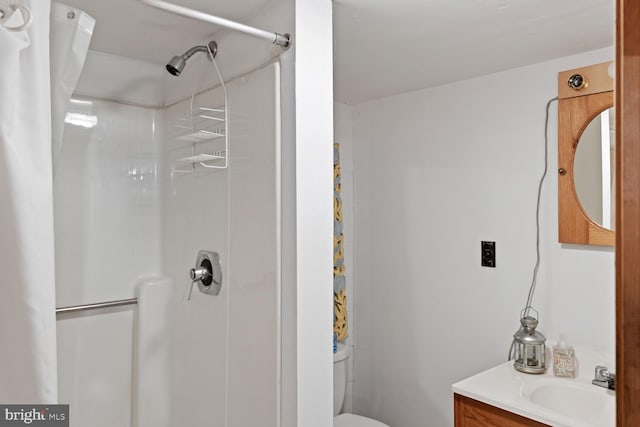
(471, 413)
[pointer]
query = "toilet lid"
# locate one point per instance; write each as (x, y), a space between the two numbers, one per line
(352, 420)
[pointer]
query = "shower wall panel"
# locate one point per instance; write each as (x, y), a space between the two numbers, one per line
(107, 225)
(125, 210)
(195, 218)
(226, 347)
(254, 271)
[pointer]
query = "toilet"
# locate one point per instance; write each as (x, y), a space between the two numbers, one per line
(339, 389)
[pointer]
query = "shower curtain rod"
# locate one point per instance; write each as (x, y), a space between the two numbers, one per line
(275, 38)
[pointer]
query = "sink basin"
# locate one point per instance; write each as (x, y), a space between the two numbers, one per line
(589, 404)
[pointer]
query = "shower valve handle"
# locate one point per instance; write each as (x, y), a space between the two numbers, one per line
(207, 273)
(199, 274)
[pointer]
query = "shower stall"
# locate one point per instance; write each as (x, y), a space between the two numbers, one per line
(166, 252)
(154, 170)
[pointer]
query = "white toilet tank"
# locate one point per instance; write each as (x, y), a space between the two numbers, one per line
(340, 358)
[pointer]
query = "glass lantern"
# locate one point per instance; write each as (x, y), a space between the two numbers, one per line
(528, 347)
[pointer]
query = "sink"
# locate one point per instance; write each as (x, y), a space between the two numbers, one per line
(550, 400)
(589, 404)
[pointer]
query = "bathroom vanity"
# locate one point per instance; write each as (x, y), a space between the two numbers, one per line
(502, 396)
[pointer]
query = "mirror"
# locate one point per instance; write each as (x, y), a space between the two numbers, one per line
(586, 156)
(594, 169)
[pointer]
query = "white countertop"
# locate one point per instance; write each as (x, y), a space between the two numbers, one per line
(506, 388)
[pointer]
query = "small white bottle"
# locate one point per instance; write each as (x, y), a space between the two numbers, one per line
(564, 359)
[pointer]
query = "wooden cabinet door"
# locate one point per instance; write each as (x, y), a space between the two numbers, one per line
(471, 413)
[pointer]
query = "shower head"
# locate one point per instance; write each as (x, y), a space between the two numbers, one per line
(177, 63)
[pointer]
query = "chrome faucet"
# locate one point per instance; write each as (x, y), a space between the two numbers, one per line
(604, 378)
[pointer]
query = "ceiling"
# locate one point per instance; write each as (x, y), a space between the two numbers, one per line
(132, 29)
(383, 47)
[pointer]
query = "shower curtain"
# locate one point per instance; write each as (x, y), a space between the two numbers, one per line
(339, 281)
(71, 31)
(28, 368)
(27, 302)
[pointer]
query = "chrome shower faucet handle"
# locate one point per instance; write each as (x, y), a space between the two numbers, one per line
(207, 273)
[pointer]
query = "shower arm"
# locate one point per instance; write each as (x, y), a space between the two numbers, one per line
(188, 54)
(275, 38)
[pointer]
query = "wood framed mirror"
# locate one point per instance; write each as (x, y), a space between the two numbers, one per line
(586, 156)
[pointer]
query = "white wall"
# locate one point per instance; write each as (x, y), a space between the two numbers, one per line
(314, 210)
(436, 171)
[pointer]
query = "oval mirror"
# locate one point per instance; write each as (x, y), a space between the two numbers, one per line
(594, 169)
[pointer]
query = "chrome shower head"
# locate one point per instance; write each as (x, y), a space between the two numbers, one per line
(177, 63)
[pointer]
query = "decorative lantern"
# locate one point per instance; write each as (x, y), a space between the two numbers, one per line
(528, 347)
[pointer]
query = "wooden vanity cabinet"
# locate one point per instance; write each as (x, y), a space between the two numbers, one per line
(472, 413)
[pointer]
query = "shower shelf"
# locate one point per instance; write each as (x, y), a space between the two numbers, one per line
(198, 158)
(201, 127)
(205, 128)
(201, 135)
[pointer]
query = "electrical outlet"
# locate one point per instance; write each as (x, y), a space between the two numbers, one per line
(488, 253)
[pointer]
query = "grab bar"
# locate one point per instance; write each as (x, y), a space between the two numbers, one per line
(107, 304)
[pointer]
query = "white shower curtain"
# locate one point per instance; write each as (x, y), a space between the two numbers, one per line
(27, 286)
(28, 369)
(71, 31)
